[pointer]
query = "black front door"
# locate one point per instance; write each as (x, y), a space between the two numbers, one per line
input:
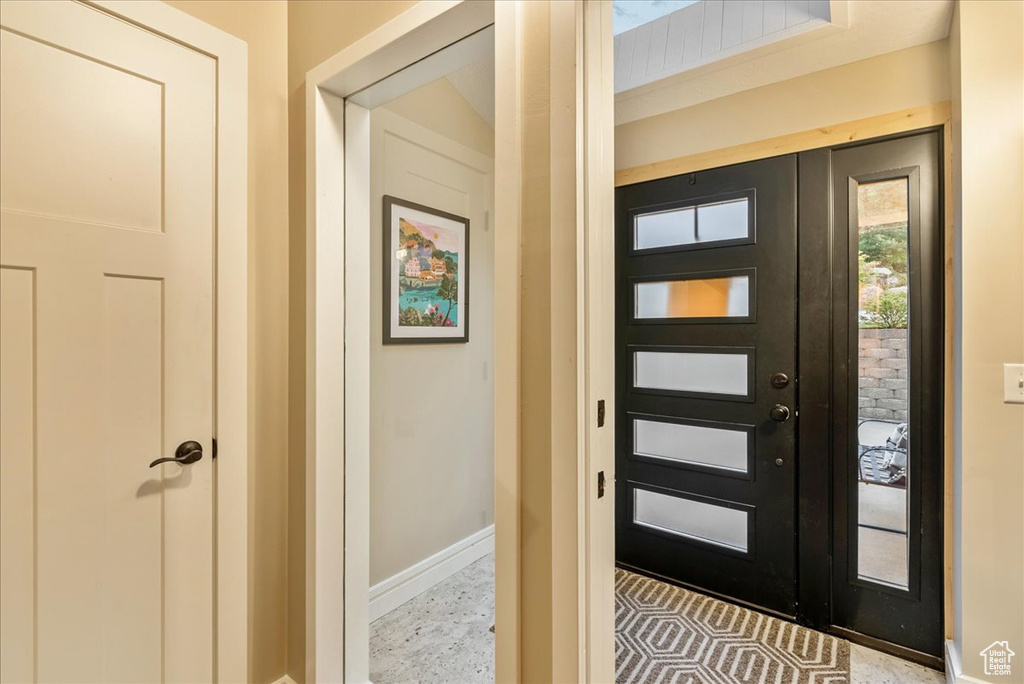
(724, 481)
(706, 354)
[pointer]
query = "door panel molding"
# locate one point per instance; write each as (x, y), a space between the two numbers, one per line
(228, 55)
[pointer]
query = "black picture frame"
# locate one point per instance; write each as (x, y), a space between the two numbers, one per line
(394, 330)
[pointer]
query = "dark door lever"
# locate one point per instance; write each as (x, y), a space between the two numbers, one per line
(187, 452)
(779, 413)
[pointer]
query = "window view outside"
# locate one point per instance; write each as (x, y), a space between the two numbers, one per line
(883, 381)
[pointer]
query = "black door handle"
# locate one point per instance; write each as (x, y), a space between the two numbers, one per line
(187, 452)
(780, 413)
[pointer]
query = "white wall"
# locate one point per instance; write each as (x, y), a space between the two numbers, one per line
(431, 460)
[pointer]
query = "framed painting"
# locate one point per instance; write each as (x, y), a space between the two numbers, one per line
(426, 274)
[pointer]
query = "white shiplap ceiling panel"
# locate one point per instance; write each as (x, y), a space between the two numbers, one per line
(708, 31)
(859, 29)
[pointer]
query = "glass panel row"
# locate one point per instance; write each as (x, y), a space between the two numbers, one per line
(693, 298)
(724, 373)
(706, 522)
(703, 224)
(714, 447)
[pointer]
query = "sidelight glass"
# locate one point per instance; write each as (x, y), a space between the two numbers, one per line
(727, 296)
(704, 522)
(883, 381)
(694, 225)
(702, 373)
(695, 444)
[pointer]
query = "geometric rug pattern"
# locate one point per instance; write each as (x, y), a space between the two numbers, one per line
(668, 635)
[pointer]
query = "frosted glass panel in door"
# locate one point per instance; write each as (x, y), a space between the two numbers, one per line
(701, 225)
(723, 221)
(665, 229)
(699, 445)
(694, 298)
(705, 522)
(707, 373)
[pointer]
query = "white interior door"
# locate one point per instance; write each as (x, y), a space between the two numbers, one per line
(107, 172)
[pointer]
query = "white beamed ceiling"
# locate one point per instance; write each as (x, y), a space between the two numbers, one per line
(859, 29)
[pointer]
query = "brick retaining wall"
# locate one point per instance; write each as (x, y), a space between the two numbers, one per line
(883, 373)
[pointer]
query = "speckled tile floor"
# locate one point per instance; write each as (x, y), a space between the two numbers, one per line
(868, 666)
(443, 637)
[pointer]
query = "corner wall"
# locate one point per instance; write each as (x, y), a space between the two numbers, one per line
(988, 152)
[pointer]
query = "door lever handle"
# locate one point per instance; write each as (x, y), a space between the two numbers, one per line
(186, 453)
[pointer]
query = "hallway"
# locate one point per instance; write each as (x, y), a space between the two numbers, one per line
(443, 636)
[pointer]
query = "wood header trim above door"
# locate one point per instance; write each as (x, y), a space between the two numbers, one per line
(935, 114)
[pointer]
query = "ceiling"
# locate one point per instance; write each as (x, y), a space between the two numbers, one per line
(628, 14)
(859, 29)
(709, 32)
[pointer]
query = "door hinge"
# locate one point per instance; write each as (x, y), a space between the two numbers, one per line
(600, 484)
(600, 413)
(214, 448)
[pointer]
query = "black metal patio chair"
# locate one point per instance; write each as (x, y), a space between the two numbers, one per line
(884, 464)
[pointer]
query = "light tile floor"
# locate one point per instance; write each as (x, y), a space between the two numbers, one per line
(443, 637)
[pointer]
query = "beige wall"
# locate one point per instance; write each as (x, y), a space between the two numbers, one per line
(988, 149)
(440, 107)
(887, 83)
(431, 462)
(317, 29)
(263, 25)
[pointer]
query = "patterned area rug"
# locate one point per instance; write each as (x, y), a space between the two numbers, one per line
(668, 635)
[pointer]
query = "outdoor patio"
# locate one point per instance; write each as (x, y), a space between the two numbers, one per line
(882, 508)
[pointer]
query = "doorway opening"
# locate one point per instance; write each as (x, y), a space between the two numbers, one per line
(400, 189)
(746, 294)
(429, 243)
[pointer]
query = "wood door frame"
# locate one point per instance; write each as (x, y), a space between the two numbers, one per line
(231, 410)
(936, 115)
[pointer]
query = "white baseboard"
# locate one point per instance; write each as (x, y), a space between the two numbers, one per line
(410, 583)
(954, 668)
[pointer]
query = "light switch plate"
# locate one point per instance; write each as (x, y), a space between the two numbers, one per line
(1013, 383)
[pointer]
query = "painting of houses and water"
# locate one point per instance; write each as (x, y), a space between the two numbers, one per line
(426, 252)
